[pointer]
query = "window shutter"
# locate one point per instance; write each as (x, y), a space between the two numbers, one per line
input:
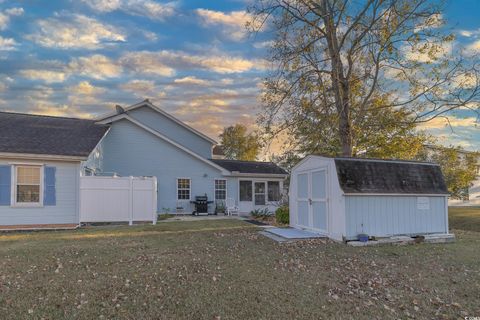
(5, 185)
(49, 197)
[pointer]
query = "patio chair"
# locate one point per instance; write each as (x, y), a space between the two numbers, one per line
(231, 207)
(180, 208)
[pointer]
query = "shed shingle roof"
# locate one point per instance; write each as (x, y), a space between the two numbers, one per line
(254, 167)
(389, 177)
(37, 134)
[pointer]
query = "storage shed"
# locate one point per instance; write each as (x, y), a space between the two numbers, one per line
(345, 197)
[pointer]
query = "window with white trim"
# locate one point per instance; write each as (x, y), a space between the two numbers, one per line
(220, 189)
(183, 189)
(28, 184)
(274, 191)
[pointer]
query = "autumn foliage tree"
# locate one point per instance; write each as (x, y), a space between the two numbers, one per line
(239, 144)
(356, 77)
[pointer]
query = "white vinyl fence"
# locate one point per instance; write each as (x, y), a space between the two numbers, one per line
(118, 199)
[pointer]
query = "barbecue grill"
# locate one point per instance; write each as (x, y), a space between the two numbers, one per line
(201, 205)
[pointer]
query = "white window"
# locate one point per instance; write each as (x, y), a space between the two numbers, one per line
(273, 191)
(220, 189)
(28, 185)
(183, 189)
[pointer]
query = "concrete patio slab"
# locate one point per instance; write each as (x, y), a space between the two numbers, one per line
(291, 233)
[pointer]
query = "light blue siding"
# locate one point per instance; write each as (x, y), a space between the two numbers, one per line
(64, 211)
(130, 150)
(393, 215)
(172, 130)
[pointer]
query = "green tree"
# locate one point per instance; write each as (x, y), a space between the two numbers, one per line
(238, 144)
(459, 167)
(335, 60)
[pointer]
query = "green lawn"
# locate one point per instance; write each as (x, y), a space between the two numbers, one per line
(225, 269)
(464, 218)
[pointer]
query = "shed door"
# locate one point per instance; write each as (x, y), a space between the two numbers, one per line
(319, 200)
(312, 200)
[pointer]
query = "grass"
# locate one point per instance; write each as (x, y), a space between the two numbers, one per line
(464, 218)
(225, 269)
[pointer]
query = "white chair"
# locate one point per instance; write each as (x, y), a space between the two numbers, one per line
(231, 207)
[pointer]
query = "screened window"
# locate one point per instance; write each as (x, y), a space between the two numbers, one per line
(27, 187)
(183, 189)
(220, 189)
(273, 191)
(245, 190)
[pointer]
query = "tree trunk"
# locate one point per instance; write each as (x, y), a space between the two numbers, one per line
(340, 83)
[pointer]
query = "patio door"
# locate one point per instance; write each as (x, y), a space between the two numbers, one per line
(245, 204)
(312, 200)
(260, 193)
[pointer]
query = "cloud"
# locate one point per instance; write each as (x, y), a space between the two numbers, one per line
(474, 47)
(60, 110)
(192, 80)
(7, 44)
(166, 62)
(145, 8)
(96, 66)
(466, 33)
(143, 89)
(138, 86)
(5, 16)
(426, 52)
(233, 24)
(264, 44)
(454, 122)
(75, 32)
(49, 76)
(84, 88)
(146, 62)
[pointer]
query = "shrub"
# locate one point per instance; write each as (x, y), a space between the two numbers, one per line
(282, 215)
(261, 213)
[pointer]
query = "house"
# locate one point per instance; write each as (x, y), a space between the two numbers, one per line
(345, 197)
(40, 164)
(144, 140)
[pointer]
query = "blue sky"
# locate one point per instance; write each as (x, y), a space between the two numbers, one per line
(192, 58)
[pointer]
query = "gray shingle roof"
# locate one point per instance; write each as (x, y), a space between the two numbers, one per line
(255, 167)
(389, 176)
(36, 134)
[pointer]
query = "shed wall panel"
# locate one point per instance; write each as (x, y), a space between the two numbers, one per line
(393, 215)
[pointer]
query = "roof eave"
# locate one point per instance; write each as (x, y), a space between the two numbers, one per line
(258, 175)
(37, 156)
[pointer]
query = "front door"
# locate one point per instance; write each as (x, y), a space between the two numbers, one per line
(312, 200)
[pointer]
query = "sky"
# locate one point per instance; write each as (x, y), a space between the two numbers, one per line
(192, 58)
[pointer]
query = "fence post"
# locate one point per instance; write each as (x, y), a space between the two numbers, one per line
(130, 201)
(154, 182)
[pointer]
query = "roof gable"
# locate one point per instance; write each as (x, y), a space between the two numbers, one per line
(389, 177)
(113, 116)
(46, 135)
(161, 136)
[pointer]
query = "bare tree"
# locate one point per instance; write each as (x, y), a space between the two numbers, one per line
(334, 58)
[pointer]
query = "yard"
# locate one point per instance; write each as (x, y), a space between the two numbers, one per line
(225, 270)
